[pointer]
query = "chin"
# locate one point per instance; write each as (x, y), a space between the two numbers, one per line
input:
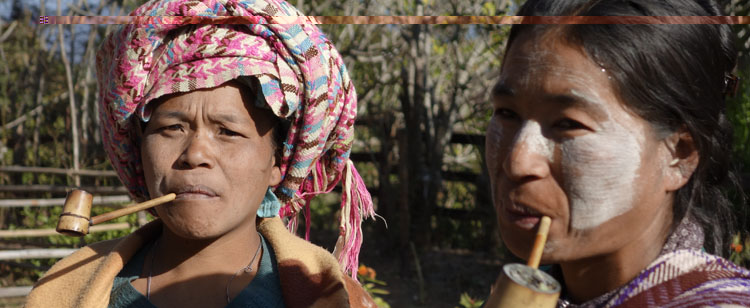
(192, 229)
(205, 221)
(195, 226)
(518, 244)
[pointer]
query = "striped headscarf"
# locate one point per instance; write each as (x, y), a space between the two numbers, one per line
(302, 79)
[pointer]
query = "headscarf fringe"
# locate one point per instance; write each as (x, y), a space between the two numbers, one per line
(356, 205)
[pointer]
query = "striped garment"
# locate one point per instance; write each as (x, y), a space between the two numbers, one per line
(302, 78)
(687, 278)
(682, 276)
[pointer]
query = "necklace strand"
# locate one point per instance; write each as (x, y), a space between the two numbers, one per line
(151, 270)
(246, 269)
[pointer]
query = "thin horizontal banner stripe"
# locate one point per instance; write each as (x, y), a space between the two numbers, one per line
(397, 20)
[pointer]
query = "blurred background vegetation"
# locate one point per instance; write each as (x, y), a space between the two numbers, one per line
(423, 96)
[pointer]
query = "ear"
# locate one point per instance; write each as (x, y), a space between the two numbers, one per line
(275, 177)
(683, 159)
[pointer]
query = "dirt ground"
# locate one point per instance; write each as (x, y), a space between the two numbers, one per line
(447, 274)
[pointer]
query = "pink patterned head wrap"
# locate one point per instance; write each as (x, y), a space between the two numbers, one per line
(302, 78)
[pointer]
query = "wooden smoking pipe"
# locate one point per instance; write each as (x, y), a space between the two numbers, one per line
(522, 285)
(76, 217)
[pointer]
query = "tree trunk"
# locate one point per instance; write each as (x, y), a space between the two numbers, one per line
(71, 98)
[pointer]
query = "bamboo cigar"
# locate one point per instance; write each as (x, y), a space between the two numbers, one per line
(541, 238)
(76, 217)
(132, 209)
(522, 285)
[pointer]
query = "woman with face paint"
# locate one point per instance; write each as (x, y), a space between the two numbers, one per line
(245, 123)
(619, 134)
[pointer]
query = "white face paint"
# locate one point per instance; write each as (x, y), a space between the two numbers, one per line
(531, 136)
(600, 170)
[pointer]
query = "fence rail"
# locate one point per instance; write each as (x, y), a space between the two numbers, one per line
(41, 253)
(50, 232)
(71, 172)
(98, 200)
(40, 188)
(14, 291)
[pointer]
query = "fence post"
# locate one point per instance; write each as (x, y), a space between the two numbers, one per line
(387, 203)
(404, 220)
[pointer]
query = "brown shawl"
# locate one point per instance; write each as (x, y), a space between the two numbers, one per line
(310, 276)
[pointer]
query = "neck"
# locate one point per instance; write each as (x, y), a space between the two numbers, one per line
(586, 279)
(194, 257)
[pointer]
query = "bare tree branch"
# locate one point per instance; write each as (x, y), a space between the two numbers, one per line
(71, 98)
(8, 31)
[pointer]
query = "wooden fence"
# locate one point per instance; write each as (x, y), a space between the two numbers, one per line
(391, 161)
(112, 196)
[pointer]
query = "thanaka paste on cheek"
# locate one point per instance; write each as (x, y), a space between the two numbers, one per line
(531, 136)
(600, 170)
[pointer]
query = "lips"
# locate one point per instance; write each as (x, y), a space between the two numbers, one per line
(191, 192)
(521, 209)
(521, 215)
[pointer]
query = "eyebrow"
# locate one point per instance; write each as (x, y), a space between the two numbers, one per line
(571, 99)
(501, 89)
(226, 117)
(170, 114)
(578, 100)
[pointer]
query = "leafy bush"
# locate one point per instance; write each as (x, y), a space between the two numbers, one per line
(740, 250)
(467, 301)
(366, 276)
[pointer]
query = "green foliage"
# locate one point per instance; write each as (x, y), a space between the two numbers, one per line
(467, 301)
(740, 250)
(489, 9)
(374, 287)
(738, 111)
(324, 210)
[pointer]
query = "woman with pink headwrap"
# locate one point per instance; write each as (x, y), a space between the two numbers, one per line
(245, 123)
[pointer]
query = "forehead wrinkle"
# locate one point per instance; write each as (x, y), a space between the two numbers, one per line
(226, 118)
(542, 73)
(576, 99)
(174, 114)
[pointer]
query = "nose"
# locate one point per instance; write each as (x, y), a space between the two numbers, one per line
(198, 152)
(529, 154)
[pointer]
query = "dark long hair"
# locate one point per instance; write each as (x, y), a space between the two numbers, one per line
(673, 76)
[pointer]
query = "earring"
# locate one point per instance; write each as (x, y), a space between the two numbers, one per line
(270, 205)
(674, 162)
